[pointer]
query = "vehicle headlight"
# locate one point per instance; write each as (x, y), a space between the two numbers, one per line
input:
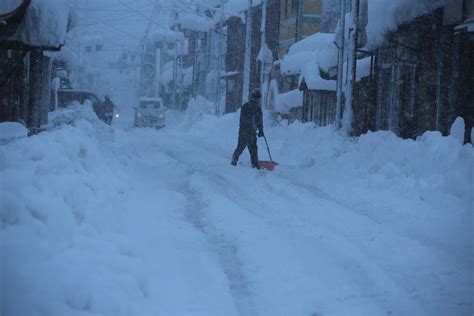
(117, 115)
(139, 114)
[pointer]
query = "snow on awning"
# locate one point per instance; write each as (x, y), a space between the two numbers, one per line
(362, 69)
(286, 101)
(312, 79)
(229, 74)
(45, 24)
(466, 26)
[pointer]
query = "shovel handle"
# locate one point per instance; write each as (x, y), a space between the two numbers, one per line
(268, 149)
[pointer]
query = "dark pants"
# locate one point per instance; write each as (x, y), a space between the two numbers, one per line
(247, 138)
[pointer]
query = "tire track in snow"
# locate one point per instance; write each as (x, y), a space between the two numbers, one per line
(226, 250)
(286, 223)
(278, 222)
(377, 276)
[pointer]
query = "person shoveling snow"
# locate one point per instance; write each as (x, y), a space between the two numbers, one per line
(251, 119)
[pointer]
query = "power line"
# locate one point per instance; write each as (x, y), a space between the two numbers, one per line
(122, 31)
(127, 16)
(108, 10)
(133, 9)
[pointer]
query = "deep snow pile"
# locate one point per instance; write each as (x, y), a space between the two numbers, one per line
(60, 244)
(92, 221)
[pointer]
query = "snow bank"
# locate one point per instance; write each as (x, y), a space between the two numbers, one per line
(73, 112)
(433, 166)
(10, 131)
(157, 222)
(198, 109)
(60, 255)
(285, 101)
(457, 130)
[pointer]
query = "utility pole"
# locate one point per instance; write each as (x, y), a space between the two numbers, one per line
(180, 77)
(340, 64)
(248, 43)
(219, 52)
(195, 62)
(175, 64)
(263, 48)
(352, 62)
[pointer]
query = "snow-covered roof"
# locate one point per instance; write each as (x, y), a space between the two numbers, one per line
(195, 22)
(45, 23)
(319, 47)
(7, 6)
(286, 101)
(385, 15)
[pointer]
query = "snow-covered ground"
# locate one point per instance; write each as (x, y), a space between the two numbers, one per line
(99, 220)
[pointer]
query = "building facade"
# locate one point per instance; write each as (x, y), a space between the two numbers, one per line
(25, 65)
(298, 19)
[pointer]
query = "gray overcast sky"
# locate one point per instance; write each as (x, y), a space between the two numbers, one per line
(120, 22)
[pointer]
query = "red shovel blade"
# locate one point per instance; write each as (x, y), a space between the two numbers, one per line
(269, 165)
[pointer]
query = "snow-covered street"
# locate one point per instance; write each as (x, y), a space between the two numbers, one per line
(127, 221)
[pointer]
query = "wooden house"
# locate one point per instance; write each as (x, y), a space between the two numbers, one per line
(26, 33)
(319, 101)
(422, 78)
(235, 56)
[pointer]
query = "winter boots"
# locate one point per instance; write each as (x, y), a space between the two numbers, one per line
(236, 158)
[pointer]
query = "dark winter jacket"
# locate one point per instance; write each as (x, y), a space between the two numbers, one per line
(251, 117)
(108, 106)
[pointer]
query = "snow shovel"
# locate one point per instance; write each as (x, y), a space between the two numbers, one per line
(269, 165)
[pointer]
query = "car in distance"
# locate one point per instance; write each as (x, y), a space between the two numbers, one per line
(150, 112)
